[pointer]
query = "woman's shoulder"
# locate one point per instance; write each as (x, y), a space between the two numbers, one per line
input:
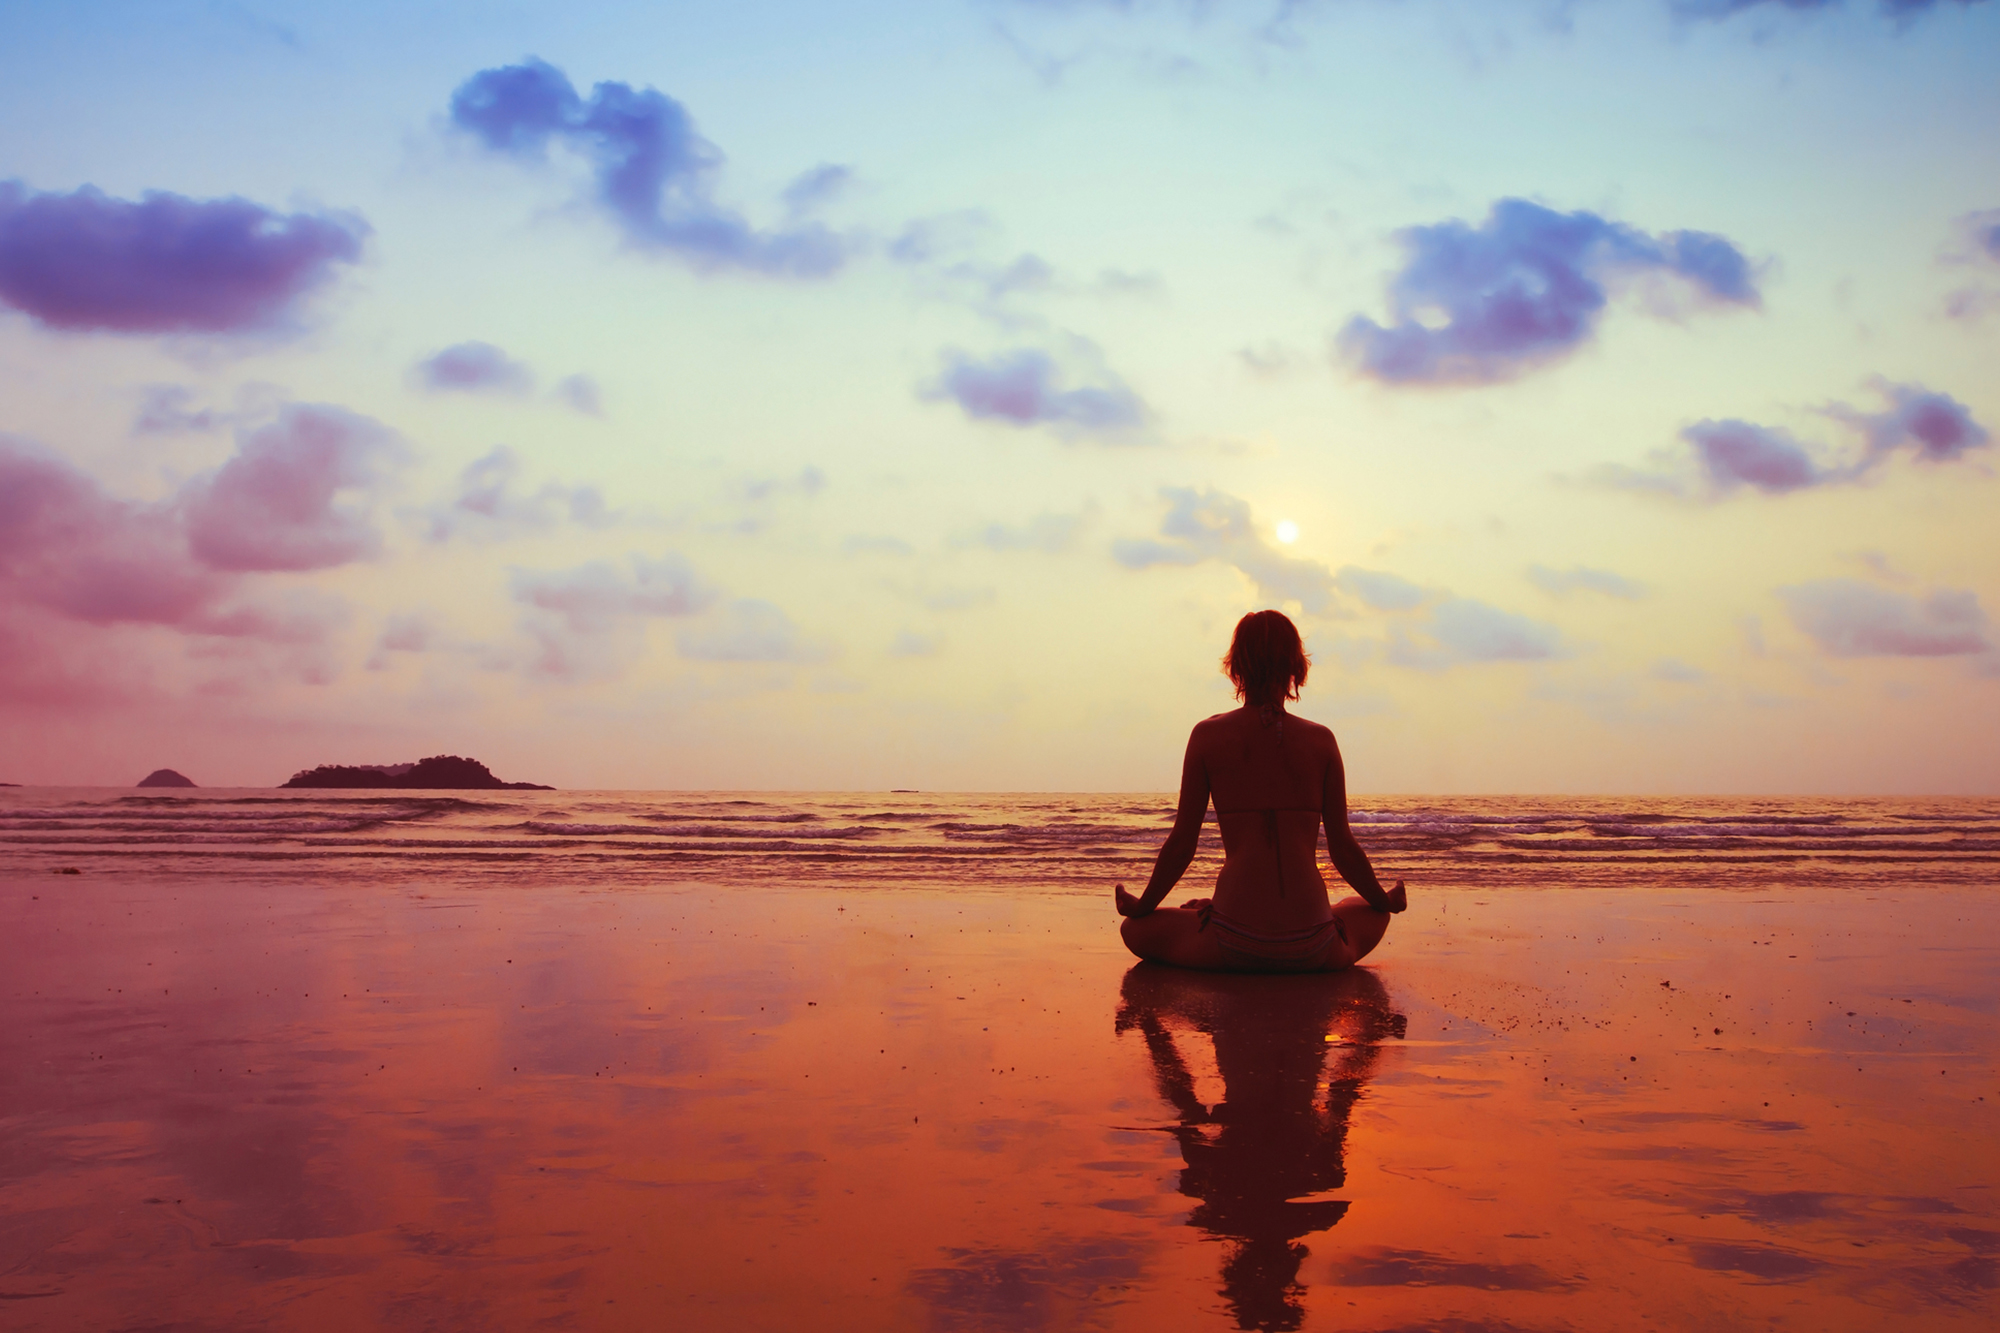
(1215, 727)
(1312, 728)
(1318, 736)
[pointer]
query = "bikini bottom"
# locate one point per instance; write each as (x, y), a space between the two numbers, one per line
(1250, 950)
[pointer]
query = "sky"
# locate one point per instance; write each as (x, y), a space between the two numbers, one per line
(846, 397)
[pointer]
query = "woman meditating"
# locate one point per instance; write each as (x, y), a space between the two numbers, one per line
(1274, 777)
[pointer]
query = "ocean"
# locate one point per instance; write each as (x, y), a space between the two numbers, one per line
(1051, 842)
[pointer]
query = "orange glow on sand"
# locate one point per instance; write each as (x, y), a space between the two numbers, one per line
(911, 1109)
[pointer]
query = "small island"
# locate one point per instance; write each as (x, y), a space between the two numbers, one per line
(166, 777)
(444, 772)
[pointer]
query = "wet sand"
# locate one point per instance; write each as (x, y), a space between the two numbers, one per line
(234, 1106)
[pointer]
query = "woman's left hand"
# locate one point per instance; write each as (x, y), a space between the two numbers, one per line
(1127, 904)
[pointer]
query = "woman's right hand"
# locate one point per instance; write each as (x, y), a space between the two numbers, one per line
(1127, 904)
(1398, 900)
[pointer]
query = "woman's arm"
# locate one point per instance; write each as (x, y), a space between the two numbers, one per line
(1174, 857)
(1348, 858)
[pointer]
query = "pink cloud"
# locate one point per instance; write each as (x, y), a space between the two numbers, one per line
(77, 564)
(294, 496)
(1848, 618)
(68, 547)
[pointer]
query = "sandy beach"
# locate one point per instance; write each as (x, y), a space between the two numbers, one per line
(240, 1105)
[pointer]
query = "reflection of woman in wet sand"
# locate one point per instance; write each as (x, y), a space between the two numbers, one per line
(1279, 1137)
(1274, 778)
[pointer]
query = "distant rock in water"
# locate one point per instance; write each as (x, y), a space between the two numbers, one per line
(166, 777)
(444, 772)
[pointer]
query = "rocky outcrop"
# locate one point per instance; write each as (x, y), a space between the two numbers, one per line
(166, 777)
(444, 772)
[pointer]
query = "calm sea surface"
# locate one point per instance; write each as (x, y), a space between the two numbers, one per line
(1056, 843)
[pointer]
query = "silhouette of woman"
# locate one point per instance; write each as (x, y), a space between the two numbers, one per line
(1275, 778)
(1280, 1134)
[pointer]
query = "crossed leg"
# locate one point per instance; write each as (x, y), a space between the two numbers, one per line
(1174, 935)
(1365, 928)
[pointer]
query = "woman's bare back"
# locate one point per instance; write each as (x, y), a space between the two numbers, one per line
(1267, 777)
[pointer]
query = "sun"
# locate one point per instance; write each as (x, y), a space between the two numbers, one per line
(1288, 531)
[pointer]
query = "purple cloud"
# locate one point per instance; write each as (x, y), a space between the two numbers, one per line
(489, 506)
(1460, 630)
(1738, 453)
(581, 392)
(1849, 618)
(166, 264)
(750, 630)
(1901, 10)
(1978, 245)
(473, 367)
(165, 409)
(1730, 454)
(594, 598)
(293, 497)
(169, 409)
(1478, 305)
(1208, 524)
(1022, 388)
(1986, 233)
(517, 108)
(1936, 427)
(1581, 578)
(814, 188)
(654, 172)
